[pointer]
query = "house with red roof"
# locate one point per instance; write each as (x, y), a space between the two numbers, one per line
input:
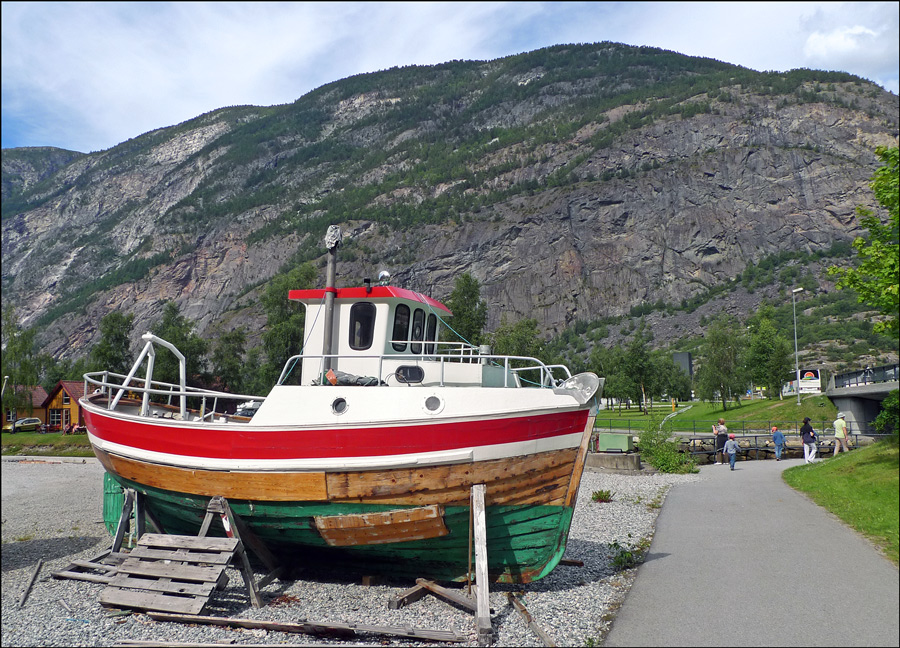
(62, 406)
(38, 396)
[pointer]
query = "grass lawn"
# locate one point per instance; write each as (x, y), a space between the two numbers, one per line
(53, 444)
(861, 487)
(758, 415)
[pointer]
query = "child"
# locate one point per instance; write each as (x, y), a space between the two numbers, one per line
(731, 449)
(778, 439)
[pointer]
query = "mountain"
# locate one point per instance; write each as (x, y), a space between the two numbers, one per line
(576, 183)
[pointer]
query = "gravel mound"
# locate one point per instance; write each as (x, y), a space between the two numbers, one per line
(53, 511)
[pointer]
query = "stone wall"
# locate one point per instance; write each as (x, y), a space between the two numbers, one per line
(760, 447)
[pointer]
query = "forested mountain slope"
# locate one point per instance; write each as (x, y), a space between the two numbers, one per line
(574, 182)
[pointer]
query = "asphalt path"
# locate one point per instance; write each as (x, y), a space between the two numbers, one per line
(741, 559)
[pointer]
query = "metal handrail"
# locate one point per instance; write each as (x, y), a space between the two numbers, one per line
(547, 375)
(867, 376)
(102, 383)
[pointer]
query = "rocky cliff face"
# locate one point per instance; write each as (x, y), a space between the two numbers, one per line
(571, 200)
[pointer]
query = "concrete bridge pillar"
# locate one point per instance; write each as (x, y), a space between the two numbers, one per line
(860, 402)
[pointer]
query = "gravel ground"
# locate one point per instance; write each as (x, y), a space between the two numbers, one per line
(53, 511)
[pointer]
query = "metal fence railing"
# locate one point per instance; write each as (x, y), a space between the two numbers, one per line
(867, 376)
(743, 428)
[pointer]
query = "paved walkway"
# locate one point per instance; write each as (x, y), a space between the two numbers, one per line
(741, 559)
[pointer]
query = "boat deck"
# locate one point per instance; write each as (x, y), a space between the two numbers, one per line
(133, 407)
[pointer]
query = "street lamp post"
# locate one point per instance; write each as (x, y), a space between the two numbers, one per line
(796, 354)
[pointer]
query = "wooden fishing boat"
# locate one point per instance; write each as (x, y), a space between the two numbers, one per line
(369, 458)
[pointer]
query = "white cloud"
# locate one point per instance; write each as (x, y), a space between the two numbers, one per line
(840, 41)
(90, 75)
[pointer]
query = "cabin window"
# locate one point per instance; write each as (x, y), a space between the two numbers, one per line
(362, 325)
(401, 327)
(418, 330)
(431, 333)
(66, 400)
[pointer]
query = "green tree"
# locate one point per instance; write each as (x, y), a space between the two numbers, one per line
(255, 378)
(20, 363)
(876, 279)
(611, 364)
(285, 319)
(178, 330)
(468, 308)
(639, 367)
(521, 338)
(228, 360)
(721, 374)
(113, 351)
(768, 357)
(55, 370)
(670, 378)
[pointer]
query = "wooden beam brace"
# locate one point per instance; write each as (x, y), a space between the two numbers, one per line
(250, 539)
(220, 505)
(151, 518)
(34, 574)
(448, 594)
(406, 597)
(93, 578)
(482, 602)
(124, 520)
(535, 628)
(341, 630)
(571, 562)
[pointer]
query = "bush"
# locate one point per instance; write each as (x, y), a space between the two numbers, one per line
(888, 421)
(661, 453)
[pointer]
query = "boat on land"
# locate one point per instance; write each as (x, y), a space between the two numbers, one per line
(363, 455)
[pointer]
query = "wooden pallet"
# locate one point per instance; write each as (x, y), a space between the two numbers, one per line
(171, 573)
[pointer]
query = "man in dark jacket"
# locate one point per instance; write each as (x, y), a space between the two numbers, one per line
(809, 441)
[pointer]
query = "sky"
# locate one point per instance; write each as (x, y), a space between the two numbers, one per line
(86, 76)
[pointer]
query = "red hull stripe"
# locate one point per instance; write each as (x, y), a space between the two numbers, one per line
(241, 442)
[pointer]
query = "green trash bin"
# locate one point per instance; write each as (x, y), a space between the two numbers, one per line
(607, 441)
(113, 501)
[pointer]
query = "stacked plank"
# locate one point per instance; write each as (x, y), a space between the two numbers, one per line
(171, 573)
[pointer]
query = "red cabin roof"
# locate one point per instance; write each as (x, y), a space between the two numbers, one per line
(362, 293)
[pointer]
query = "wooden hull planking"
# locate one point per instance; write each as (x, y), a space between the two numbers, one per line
(529, 509)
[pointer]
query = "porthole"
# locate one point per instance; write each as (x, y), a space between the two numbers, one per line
(433, 404)
(339, 405)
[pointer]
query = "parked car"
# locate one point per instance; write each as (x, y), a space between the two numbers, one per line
(25, 425)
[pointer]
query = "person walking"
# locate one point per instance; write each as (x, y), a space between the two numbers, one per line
(721, 436)
(778, 440)
(731, 449)
(809, 441)
(841, 439)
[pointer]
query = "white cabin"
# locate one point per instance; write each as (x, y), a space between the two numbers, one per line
(383, 333)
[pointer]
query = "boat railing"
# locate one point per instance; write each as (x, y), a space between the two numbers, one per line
(101, 380)
(113, 385)
(547, 377)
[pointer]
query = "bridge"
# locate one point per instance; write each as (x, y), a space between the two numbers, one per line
(859, 393)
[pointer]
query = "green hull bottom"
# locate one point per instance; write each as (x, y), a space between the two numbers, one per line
(524, 543)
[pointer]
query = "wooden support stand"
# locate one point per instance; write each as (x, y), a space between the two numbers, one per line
(480, 606)
(173, 573)
(235, 528)
(134, 503)
(482, 601)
